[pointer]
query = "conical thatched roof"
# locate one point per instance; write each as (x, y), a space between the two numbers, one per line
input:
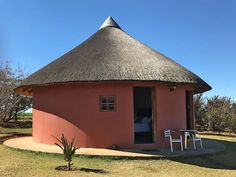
(112, 55)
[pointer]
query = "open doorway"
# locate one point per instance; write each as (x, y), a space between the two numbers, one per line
(189, 111)
(143, 115)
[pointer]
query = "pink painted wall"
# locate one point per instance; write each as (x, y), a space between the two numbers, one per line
(74, 109)
(171, 111)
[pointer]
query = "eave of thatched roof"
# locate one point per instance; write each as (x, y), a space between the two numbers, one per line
(112, 55)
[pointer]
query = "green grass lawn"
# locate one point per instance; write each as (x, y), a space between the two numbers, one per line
(22, 163)
(22, 126)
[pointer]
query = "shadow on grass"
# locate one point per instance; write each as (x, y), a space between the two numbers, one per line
(222, 160)
(218, 154)
(65, 168)
(93, 170)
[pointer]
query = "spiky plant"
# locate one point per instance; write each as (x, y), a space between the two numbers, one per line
(68, 149)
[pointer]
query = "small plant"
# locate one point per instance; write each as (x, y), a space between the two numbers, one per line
(68, 149)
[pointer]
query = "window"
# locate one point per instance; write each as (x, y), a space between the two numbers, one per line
(107, 103)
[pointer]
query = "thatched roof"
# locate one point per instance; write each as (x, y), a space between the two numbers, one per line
(112, 55)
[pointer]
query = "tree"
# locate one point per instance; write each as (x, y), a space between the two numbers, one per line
(11, 103)
(218, 113)
(215, 113)
(233, 118)
(201, 122)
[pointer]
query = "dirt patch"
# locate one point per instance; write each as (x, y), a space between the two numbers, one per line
(87, 170)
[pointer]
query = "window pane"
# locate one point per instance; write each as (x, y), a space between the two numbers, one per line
(111, 99)
(111, 107)
(104, 107)
(103, 99)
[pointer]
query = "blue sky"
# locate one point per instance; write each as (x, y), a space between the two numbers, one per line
(198, 34)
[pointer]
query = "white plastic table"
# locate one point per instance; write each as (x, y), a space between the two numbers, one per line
(186, 134)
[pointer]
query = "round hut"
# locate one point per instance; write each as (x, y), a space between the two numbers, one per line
(111, 90)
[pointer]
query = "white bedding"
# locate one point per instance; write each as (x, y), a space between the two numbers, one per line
(141, 127)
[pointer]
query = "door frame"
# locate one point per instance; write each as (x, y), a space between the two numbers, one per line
(154, 118)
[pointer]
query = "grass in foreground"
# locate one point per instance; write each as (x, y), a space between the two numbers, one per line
(22, 163)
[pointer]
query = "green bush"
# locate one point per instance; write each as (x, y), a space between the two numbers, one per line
(215, 114)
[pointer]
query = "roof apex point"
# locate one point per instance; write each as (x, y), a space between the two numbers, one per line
(109, 22)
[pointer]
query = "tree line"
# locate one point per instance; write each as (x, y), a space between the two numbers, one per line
(217, 113)
(11, 104)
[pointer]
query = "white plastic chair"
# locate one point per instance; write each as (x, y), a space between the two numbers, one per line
(168, 137)
(196, 137)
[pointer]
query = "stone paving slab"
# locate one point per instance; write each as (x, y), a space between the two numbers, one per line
(27, 143)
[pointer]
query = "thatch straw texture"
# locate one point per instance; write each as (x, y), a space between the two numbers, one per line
(112, 55)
